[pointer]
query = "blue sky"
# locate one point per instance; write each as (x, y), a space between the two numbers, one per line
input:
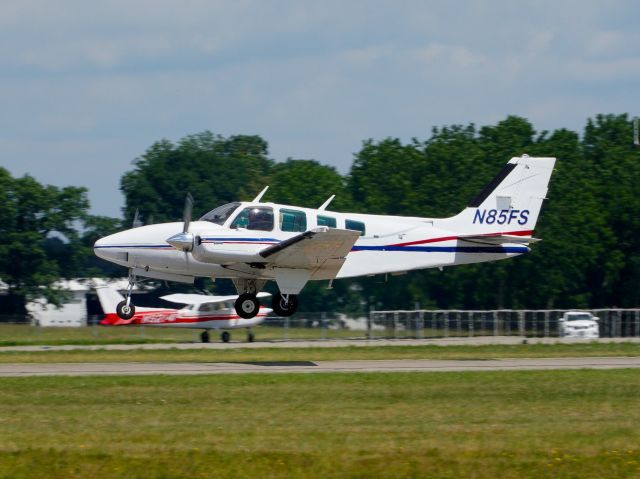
(86, 87)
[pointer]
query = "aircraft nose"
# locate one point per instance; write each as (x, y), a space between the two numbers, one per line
(108, 248)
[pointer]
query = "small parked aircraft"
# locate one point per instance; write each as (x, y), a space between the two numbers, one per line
(202, 312)
(253, 242)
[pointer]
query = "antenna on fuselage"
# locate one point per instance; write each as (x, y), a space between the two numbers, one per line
(260, 195)
(326, 203)
(137, 222)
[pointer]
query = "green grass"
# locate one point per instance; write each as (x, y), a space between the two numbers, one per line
(461, 352)
(525, 424)
(24, 334)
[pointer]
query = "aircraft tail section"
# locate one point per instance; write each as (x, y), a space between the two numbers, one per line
(509, 205)
(109, 298)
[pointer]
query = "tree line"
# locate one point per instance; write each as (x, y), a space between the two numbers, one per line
(590, 225)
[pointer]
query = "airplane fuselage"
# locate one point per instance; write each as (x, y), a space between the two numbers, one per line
(190, 317)
(253, 242)
(388, 244)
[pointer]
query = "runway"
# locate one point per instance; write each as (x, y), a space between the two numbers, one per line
(328, 343)
(403, 365)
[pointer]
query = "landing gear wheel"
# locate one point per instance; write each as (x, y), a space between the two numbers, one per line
(283, 305)
(247, 305)
(204, 336)
(225, 336)
(250, 337)
(125, 311)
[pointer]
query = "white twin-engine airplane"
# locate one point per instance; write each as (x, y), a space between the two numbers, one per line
(253, 242)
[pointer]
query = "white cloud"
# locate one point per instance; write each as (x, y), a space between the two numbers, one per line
(87, 86)
(613, 43)
(449, 54)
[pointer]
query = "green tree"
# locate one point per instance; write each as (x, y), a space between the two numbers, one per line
(589, 256)
(35, 220)
(214, 169)
(307, 183)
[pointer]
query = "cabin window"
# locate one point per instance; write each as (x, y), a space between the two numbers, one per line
(355, 225)
(326, 221)
(257, 218)
(293, 220)
(207, 307)
(221, 213)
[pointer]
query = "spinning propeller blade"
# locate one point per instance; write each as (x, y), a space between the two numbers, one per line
(184, 241)
(186, 215)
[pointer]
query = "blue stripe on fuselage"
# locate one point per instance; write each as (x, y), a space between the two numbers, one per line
(407, 249)
(167, 246)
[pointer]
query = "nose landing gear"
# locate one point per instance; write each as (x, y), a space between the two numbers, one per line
(126, 309)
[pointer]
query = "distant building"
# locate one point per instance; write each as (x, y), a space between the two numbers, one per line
(72, 313)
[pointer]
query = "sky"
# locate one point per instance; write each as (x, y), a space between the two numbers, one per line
(87, 87)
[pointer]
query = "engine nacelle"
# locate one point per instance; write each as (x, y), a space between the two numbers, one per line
(226, 252)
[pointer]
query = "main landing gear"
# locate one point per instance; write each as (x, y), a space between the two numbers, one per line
(247, 305)
(284, 304)
(125, 309)
(225, 336)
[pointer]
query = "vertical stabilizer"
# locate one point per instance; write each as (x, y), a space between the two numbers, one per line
(510, 203)
(109, 298)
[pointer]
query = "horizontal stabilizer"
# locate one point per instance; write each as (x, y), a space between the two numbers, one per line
(203, 298)
(498, 239)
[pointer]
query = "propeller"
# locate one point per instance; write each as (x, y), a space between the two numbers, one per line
(184, 241)
(186, 215)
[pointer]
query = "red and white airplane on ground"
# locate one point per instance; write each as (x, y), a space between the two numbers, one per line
(202, 312)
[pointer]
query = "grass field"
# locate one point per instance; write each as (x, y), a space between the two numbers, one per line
(25, 334)
(556, 424)
(461, 352)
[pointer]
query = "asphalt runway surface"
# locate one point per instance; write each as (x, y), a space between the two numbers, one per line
(327, 343)
(402, 365)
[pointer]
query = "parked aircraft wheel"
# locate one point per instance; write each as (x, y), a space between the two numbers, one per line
(225, 336)
(282, 307)
(125, 312)
(250, 337)
(247, 305)
(204, 336)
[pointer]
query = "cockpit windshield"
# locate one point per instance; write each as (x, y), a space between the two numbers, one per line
(221, 213)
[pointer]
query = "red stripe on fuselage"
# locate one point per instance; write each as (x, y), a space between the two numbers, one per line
(451, 238)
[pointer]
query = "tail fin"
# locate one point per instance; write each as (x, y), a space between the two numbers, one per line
(109, 298)
(510, 203)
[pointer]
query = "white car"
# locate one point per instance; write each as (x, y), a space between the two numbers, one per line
(579, 324)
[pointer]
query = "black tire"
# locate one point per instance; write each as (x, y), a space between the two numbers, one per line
(225, 336)
(247, 305)
(125, 312)
(204, 336)
(283, 308)
(250, 337)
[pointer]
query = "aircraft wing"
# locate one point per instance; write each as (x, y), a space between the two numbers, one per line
(202, 298)
(498, 239)
(321, 251)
